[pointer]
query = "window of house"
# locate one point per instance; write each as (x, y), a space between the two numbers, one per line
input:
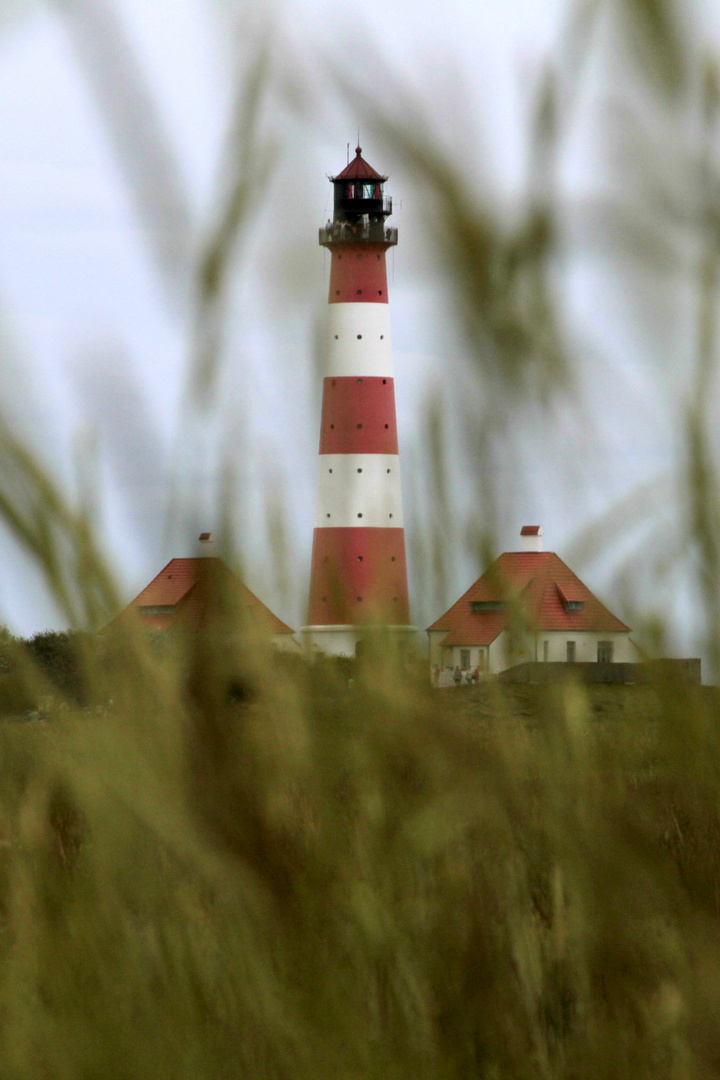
(483, 659)
(486, 605)
(571, 652)
(605, 652)
(464, 659)
(573, 605)
(546, 651)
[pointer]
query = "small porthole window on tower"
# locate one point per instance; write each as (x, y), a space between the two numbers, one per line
(337, 292)
(387, 426)
(336, 337)
(384, 382)
(332, 427)
(327, 515)
(389, 515)
(359, 292)
(359, 599)
(379, 292)
(360, 558)
(377, 256)
(382, 338)
(330, 470)
(359, 470)
(359, 426)
(359, 380)
(359, 337)
(388, 470)
(392, 558)
(359, 515)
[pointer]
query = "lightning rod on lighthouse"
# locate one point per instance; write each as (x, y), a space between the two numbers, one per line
(358, 578)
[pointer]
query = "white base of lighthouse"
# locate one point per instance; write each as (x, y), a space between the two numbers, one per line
(318, 641)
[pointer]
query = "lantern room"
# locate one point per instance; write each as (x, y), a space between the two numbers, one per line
(360, 205)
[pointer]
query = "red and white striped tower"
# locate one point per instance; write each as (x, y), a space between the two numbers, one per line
(359, 574)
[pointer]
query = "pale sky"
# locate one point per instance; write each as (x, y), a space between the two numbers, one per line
(96, 330)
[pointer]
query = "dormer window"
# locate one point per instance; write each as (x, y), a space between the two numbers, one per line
(569, 602)
(486, 605)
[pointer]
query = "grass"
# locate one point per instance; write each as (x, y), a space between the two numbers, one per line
(493, 881)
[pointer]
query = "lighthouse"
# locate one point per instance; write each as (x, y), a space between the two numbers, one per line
(358, 577)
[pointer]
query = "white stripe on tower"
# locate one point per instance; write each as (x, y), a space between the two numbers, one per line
(359, 341)
(359, 489)
(358, 574)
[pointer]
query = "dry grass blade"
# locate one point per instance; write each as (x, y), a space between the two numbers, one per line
(244, 176)
(149, 165)
(655, 31)
(59, 538)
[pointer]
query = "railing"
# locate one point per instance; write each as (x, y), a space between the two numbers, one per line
(342, 233)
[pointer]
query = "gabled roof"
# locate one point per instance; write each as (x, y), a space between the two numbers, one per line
(535, 581)
(188, 588)
(358, 169)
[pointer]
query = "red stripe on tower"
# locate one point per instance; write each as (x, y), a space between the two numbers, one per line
(358, 575)
(358, 416)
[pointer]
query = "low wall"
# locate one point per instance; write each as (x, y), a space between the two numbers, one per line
(652, 671)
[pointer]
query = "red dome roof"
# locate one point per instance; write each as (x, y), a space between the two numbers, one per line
(358, 169)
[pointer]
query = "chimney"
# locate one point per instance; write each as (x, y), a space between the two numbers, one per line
(206, 545)
(531, 538)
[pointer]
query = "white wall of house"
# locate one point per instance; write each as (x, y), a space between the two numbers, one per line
(467, 656)
(624, 651)
(437, 654)
(502, 654)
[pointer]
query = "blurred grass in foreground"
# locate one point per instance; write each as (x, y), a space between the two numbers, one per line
(216, 863)
(247, 870)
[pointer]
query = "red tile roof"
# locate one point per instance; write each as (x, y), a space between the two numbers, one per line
(358, 169)
(540, 583)
(188, 588)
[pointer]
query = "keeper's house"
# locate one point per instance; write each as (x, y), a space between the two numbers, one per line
(528, 606)
(196, 595)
